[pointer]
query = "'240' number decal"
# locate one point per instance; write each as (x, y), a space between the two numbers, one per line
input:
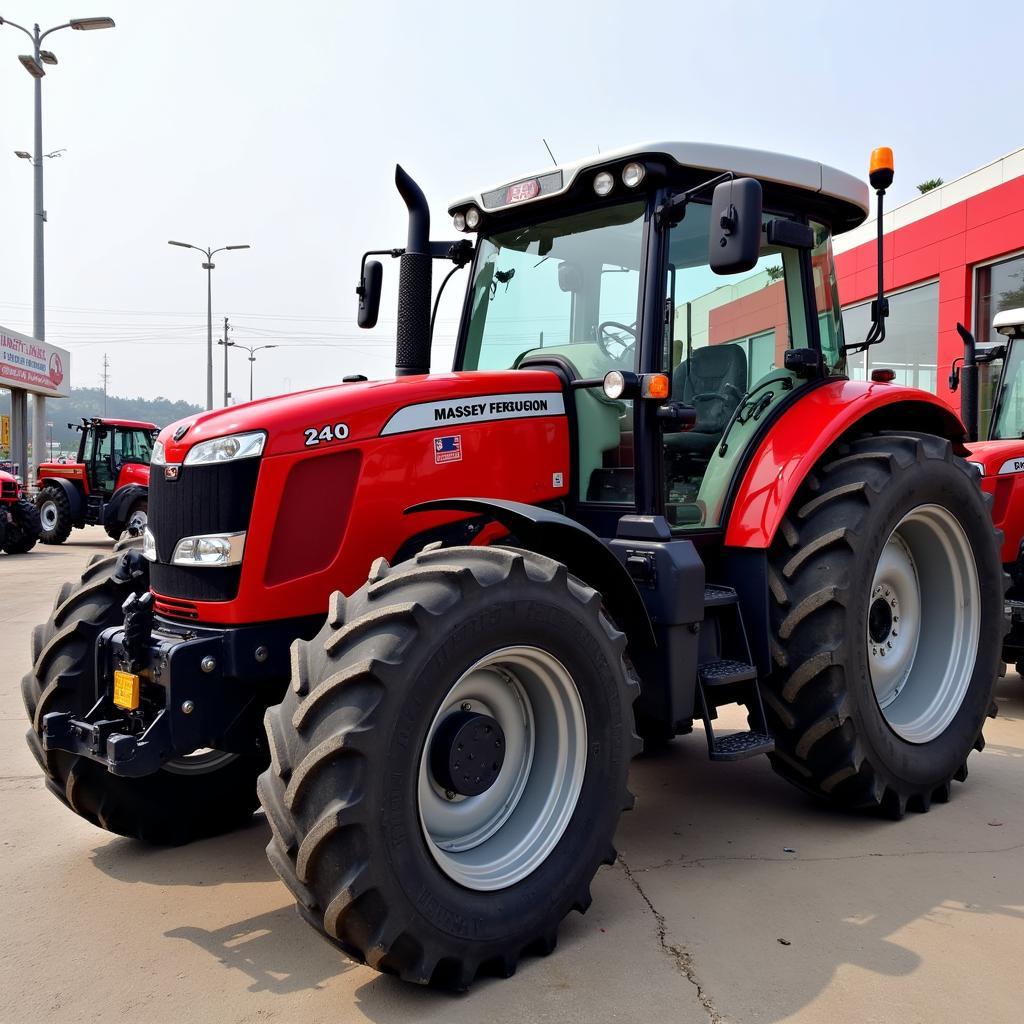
(318, 435)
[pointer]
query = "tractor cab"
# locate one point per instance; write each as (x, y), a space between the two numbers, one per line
(107, 484)
(686, 294)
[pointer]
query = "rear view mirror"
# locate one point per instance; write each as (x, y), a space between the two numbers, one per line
(369, 294)
(569, 277)
(734, 241)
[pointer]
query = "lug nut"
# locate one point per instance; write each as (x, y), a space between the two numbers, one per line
(261, 654)
(187, 707)
(466, 706)
(449, 794)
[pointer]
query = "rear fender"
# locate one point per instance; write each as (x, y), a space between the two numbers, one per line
(583, 553)
(807, 429)
(73, 493)
(116, 510)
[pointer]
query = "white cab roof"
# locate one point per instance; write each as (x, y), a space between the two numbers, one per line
(1009, 322)
(793, 171)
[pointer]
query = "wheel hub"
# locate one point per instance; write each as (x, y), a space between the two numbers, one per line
(467, 753)
(48, 515)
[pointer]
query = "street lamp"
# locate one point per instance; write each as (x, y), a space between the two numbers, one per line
(227, 344)
(33, 64)
(252, 350)
(208, 267)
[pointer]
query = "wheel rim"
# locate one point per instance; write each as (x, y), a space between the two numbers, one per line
(496, 838)
(48, 514)
(137, 520)
(199, 762)
(924, 621)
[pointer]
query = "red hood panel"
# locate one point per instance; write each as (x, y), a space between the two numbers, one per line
(364, 408)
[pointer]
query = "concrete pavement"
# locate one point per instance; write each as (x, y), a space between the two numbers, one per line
(735, 899)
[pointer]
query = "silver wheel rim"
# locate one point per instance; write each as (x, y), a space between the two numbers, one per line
(137, 520)
(199, 762)
(48, 514)
(495, 839)
(924, 621)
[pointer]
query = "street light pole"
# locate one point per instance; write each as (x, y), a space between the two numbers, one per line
(251, 349)
(208, 267)
(34, 66)
(227, 344)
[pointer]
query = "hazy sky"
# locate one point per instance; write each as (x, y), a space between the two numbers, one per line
(280, 124)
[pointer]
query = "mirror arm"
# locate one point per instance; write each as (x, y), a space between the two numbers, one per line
(670, 213)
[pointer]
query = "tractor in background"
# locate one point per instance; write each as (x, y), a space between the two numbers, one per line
(646, 489)
(107, 485)
(19, 518)
(999, 457)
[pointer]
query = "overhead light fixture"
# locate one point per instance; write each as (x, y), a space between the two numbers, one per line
(237, 246)
(91, 24)
(32, 66)
(47, 56)
(603, 183)
(22, 155)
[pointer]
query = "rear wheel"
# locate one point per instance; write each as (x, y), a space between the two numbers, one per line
(887, 616)
(54, 515)
(23, 528)
(203, 794)
(449, 764)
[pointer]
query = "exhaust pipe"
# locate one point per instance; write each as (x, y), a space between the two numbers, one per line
(412, 351)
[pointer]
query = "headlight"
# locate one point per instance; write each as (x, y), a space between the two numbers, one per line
(159, 457)
(603, 183)
(472, 218)
(459, 220)
(979, 466)
(148, 545)
(633, 174)
(226, 449)
(213, 549)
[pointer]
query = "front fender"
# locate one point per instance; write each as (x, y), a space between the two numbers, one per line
(73, 493)
(583, 553)
(805, 431)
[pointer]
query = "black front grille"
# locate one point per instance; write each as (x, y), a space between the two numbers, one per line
(202, 500)
(8, 489)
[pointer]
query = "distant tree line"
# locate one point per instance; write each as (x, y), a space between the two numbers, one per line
(87, 402)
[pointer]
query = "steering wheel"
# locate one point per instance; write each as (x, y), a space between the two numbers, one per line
(606, 341)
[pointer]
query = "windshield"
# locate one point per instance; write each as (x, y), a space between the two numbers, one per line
(568, 286)
(1010, 417)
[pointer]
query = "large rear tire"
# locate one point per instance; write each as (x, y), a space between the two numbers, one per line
(887, 620)
(434, 876)
(190, 798)
(23, 528)
(54, 514)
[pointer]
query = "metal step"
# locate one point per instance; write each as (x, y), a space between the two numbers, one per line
(725, 672)
(739, 745)
(716, 596)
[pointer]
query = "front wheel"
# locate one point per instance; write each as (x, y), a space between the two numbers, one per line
(134, 523)
(54, 515)
(449, 764)
(23, 528)
(888, 620)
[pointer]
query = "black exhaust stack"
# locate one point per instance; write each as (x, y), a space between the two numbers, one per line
(969, 384)
(412, 352)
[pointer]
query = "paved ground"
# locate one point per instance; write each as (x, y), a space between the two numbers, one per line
(921, 920)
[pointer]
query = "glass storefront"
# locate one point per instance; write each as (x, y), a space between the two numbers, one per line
(911, 337)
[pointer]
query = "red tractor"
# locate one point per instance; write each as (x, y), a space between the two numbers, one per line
(108, 485)
(19, 520)
(646, 489)
(999, 457)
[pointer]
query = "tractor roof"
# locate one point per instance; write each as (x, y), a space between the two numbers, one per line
(1010, 322)
(131, 424)
(842, 196)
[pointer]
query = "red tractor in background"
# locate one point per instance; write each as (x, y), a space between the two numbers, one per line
(619, 511)
(19, 518)
(107, 485)
(999, 457)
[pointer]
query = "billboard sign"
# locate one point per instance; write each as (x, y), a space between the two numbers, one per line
(35, 366)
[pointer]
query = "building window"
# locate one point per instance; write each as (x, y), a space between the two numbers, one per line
(911, 337)
(998, 286)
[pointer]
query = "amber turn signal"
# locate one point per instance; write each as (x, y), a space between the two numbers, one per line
(656, 386)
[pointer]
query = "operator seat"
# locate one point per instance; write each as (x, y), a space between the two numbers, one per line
(713, 380)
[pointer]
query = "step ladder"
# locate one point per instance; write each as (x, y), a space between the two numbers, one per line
(730, 678)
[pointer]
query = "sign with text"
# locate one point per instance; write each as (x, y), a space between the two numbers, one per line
(35, 366)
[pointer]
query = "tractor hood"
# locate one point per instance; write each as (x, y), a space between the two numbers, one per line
(997, 458)
(345, 414)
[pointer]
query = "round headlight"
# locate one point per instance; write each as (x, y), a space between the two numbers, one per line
(633, 174)
(603, 183)
(614, 384)
(459, 220)
(472, 218)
